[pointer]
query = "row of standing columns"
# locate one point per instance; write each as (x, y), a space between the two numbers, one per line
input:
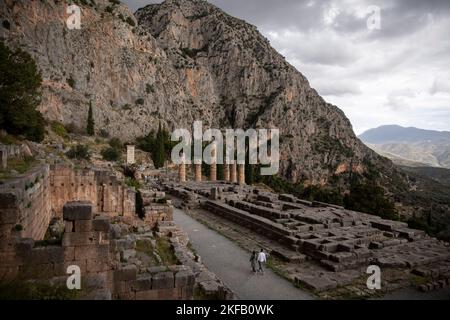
(231, 172)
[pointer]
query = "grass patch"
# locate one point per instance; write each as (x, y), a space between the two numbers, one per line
(132, 183)
(7, 139)
(277, 267)
(19, 165)
(38, 290)
(165, 251)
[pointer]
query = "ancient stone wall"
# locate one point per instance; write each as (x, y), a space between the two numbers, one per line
(156, 208)
(166, 283)
(87, 244)
(105, 191)
(25, 205)
(84, 244)
(28, 202)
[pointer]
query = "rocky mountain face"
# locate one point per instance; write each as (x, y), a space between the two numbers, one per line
(410, 146)
(180, 61)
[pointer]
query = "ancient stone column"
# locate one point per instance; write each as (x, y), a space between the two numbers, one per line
(182, 170)
(241, 174)
(233, 173)
(198, 172)
(226, 172)
(213, 169)
(130, 154)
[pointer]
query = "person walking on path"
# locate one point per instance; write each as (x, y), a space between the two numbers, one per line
(253, 259)
(262, 258)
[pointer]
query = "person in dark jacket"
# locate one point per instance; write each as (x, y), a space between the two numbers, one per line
(253, 260)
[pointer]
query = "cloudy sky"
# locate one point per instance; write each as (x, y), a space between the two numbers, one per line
(396, 74)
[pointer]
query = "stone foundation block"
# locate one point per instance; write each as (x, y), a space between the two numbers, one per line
(42, 270)
(147, 295)
(24, 245)
(8, 200)
(77, 210)
(163, 280)
(126, 273)
(83, 226)
(69, 253)
(60, 269)
(169, 294)
(80, 238)
(100, 251)
(142, 283)
(43, 255)
(68, 226)
(184, 278)
(101, 223)
(94, 265)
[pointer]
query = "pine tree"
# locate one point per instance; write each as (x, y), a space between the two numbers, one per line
(90, 121)
(249, 176)
(159, 155)
(219, 172)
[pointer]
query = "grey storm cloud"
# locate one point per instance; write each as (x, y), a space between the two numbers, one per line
(364, 72)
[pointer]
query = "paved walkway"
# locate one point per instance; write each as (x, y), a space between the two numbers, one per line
(231, 264)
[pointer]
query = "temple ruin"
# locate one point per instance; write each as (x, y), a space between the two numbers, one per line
(325, 246)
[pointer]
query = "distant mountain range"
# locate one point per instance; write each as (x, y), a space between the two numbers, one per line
(411, 146)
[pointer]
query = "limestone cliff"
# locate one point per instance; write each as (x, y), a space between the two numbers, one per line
(180, 61)
(230, 69)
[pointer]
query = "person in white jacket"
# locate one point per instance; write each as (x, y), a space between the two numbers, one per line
(262, 258)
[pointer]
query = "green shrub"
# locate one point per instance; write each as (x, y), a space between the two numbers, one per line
(116, 143)
(71, 82)
(370, 198)
(73, 128)
(132, 183)
(103, 133)
(79, 152)
(111, 154)
(7, 139)
(59, 129)
(20, 94)
(149, 88)
(130, 21)
(139, 101)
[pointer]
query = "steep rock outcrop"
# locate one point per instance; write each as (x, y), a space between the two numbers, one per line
(180, 61)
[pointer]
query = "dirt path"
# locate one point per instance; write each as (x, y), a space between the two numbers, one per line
(231, 263)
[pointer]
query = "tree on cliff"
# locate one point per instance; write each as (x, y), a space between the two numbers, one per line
(90, 121)
(157, 143)
(20, 95)
(159, 153)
